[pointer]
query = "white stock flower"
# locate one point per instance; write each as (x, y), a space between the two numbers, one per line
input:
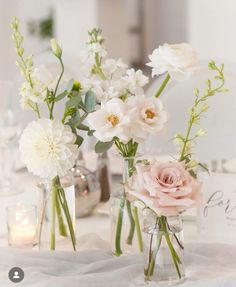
(136, 81)
(179, 60)
(113, 69)
(147, 116)
(98, 48)
(42, 81)
(109, 121)
(47, 148)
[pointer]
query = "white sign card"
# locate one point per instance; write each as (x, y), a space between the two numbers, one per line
(217, 212)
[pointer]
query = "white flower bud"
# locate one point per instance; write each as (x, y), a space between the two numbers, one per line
(56, 49)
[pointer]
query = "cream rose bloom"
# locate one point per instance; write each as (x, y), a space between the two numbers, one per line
(110, 121)
(179, 60)
(147, 117)
(47, 148)
(167, 188)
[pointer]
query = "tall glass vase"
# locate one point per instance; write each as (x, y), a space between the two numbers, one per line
(163, 249)
(125, 218)
(56, 226)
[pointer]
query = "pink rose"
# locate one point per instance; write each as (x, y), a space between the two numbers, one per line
(167, 188)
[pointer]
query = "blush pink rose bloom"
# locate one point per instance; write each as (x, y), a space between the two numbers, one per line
(167, 188)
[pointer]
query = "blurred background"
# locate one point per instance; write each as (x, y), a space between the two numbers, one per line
(133, 28)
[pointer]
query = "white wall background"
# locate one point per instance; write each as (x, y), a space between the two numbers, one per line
(207, 24)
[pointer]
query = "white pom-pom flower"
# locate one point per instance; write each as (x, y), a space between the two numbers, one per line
(179, 60)
(48, 148)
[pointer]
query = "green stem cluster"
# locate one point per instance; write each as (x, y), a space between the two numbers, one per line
(162, 231)
(128, 151)
(59, 207)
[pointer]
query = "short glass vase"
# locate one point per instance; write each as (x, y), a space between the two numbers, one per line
(56, 224)
(163, 249)
(126, 218)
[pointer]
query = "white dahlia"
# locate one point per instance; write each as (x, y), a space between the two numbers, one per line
(48, 148)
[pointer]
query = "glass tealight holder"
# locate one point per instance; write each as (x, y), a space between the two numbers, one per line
(22, 225)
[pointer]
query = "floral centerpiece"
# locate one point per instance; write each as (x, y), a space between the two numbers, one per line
(166, 189)
(49, 146)
(124, 116)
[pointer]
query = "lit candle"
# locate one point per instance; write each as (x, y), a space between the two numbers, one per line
(21, 227)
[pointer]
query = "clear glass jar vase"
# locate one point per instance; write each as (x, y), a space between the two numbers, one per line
(56, 226)
(163, 249)
(126, 218)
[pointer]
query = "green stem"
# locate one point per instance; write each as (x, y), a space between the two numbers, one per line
(163, 85)
(151, 265)
(186, 140)
(174, 255)
(37, 111)
(63, 201)
(61, 224)
(53, 216)
(57, 85)
(130, 237)
(138, 229)
(118, 250)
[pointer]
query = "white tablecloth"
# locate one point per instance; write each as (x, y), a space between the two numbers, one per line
(207, 265)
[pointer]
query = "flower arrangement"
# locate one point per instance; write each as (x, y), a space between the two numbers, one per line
(49, 146)
(124, 116)
(168, 189)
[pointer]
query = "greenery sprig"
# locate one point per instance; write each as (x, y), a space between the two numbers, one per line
(199, 108)
(77, 106)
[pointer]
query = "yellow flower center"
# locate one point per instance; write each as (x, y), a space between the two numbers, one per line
(150, 114)
(113, 119)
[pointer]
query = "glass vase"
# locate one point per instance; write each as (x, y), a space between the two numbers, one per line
(163, 249)
(125, 218)
(56, 225)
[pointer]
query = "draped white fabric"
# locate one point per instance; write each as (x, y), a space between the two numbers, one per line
(207, 264)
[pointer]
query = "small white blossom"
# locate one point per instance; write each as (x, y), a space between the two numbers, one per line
(179, 60)
(147, 117)
(35, 92)
(110, 121)
(98, 48)
(47, 148)
(136, 81)
(113, 69)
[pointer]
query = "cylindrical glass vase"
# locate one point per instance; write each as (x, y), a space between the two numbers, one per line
(125, 218)
(163, 249)
(56, 226)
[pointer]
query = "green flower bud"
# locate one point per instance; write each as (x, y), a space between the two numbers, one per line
(56, 49)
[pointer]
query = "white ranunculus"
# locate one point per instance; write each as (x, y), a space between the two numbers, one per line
(147, 116)
(179, 60)
(136, 80)
(47, 148)
(110, 121)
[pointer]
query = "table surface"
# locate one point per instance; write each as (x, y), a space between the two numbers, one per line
(207, 264)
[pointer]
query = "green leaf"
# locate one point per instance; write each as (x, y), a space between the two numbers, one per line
(61, 96)
(90, 132)
(75, 118)
(90, 101)
(101, 147)
(79, 140)
(82, 127)
(74, 102)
